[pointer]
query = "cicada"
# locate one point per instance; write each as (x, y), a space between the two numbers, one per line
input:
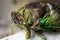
(38, 17)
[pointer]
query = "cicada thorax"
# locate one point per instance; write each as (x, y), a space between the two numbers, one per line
(37, 10)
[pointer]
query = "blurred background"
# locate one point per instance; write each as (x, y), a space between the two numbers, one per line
(6, 7)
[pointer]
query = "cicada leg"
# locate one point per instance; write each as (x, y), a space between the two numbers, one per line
(28, 34)
(39, 32)
(12, 28)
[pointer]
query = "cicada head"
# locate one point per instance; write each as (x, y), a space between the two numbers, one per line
(22, 18)
(18, 19)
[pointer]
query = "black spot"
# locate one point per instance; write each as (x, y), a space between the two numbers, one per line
(34, 5)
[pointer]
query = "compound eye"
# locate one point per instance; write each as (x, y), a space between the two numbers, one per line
(16, 17)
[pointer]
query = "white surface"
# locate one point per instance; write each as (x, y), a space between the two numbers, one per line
(18, 36)
(21, 36)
